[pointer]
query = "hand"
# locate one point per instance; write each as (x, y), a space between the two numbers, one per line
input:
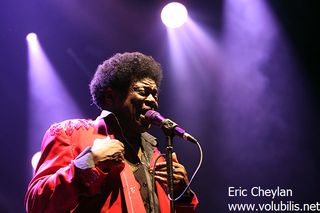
(179, 172)
(109, 152)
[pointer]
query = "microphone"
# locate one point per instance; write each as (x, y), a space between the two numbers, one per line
(155, 118)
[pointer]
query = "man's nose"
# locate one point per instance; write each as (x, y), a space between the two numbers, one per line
(151, 101)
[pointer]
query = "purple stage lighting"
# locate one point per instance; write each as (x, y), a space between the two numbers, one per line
(48, 98)
(31, 37)
(174, 15)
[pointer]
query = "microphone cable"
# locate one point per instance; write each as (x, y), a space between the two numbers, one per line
(191, 179)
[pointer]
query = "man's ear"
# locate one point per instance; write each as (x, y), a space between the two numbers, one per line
(109, 98)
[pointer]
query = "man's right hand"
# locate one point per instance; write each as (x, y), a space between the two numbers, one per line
(108, 152)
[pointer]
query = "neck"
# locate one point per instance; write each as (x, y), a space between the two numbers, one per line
(133, 147)
(134, 141)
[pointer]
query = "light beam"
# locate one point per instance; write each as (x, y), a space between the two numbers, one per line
(49, 100)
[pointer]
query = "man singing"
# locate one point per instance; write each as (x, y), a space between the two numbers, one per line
(105, 165)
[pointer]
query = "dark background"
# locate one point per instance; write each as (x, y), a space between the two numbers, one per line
(285, 156)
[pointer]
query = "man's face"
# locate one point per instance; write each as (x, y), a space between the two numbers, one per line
(142, 96)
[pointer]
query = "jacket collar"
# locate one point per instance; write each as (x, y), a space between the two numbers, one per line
(107, 115)
(104, 114)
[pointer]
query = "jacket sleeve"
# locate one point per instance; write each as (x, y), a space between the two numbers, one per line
(187, 207)
(57, 183)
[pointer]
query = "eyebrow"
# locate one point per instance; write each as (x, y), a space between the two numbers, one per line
(145, 86)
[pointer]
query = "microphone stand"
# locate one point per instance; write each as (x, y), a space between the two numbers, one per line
(167, 126)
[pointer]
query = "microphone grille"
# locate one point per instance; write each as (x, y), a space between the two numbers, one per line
(151, 114)
(154, 117)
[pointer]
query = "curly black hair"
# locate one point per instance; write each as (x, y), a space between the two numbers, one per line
(120, 71)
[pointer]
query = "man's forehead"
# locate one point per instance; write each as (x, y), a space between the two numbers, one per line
(146, 82)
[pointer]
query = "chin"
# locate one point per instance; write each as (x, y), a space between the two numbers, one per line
(142, 125)
(143, 128)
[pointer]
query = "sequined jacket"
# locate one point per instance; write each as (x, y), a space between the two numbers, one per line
(58, 186)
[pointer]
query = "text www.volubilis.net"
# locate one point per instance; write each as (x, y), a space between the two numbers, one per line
(274, 207)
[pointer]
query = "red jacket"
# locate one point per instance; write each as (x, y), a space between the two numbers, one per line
(57, 186)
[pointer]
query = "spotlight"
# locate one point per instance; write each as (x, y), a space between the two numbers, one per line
(174, 15)
(31, 37)
(35, 159)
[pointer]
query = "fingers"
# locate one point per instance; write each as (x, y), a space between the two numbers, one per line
(177, 176)
(174, 158)
(179, 172)
(162, 166)
(163, 177)
(107, 149)
(119, 156)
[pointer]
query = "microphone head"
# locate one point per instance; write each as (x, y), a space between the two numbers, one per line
(154, 117)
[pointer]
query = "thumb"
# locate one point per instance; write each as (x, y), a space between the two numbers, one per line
(174, 158)
(108, 138)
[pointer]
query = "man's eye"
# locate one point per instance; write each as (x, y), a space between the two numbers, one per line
(141, 92)
(146, 93)
(155, 96)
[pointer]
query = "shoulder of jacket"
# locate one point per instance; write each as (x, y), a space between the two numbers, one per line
(68, 127)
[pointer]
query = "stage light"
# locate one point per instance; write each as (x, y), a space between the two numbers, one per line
(174, 15)
(48, 98)
(35, 159)
(31, 37)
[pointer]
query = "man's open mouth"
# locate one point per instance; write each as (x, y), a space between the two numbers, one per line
(144, 121)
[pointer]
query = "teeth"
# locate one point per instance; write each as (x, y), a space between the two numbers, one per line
(142, 116)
